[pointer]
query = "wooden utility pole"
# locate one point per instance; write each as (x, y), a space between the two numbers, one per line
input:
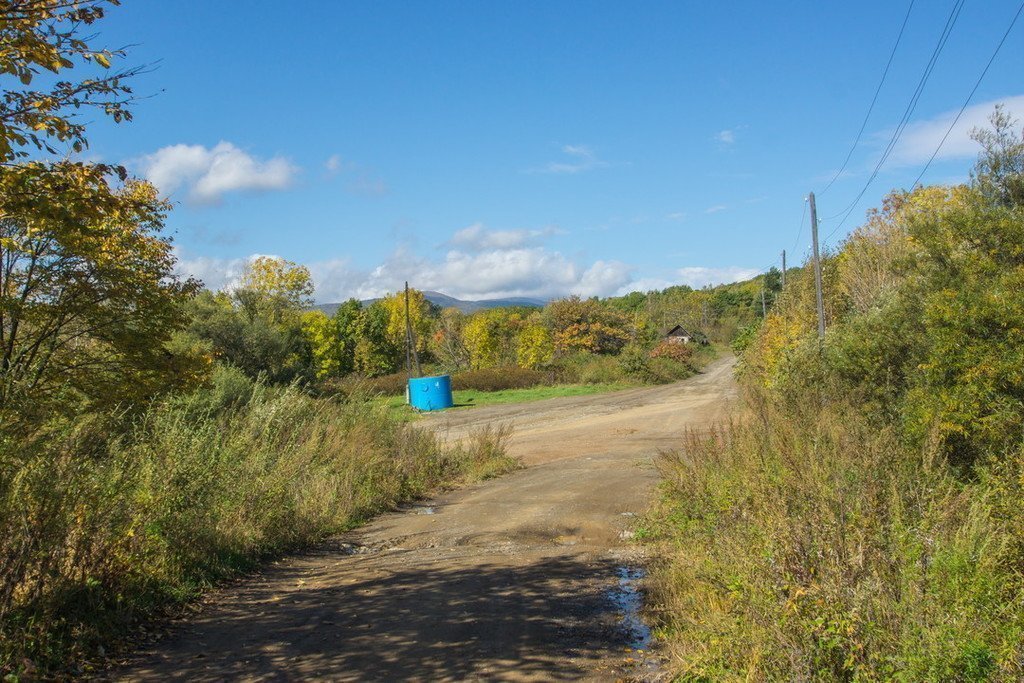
(817, 268)
(783, 268)
(410, 340)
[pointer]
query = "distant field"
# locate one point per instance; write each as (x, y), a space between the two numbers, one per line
(468, 398)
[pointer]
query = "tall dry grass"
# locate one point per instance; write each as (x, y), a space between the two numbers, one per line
(803, 544)
(102, 525)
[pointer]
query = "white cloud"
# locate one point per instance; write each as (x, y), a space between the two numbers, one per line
(716, 208)
(477, 237)
(485, 264)
(480, 268)
(520, 271)
(676, 216)
(333, 163)
(726, 137)
(646, 284)
(210, 173)
(581, 158)
(699, 276)
(603, 278)
(919, 140)
(215, 273)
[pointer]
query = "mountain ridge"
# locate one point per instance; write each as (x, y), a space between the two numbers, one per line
(445, 301)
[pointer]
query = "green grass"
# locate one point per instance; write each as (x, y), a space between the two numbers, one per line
(469, 398)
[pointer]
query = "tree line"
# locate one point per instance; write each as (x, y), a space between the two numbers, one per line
(267, 326)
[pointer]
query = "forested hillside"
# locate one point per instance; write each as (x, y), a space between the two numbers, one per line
(262, 326)
(862, 519)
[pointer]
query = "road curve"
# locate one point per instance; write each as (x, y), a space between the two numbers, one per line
(519, 578)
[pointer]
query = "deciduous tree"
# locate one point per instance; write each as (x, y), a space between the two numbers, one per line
(51, 36)
(419, 318)
(88, 294)
(275, 288)
(585, 325)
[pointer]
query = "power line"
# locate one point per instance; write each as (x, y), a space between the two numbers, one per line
(970, 96)
(905, 119)
(874, 99)
(911, 106)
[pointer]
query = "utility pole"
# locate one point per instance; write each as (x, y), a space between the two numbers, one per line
(783, 268)
(764, 309)
(817, 268)
(410, 340)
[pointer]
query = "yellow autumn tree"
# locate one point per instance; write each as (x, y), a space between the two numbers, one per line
(419, 318)
(534, 345)
(275, 288)
(491, 337)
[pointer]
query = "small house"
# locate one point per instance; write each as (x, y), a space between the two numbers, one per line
(680, 335)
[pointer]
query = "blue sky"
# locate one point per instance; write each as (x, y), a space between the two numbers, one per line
(535, 148)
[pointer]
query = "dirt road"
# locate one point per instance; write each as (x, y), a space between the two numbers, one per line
(527, 577)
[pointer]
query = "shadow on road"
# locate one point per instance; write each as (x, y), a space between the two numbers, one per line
(535, 621)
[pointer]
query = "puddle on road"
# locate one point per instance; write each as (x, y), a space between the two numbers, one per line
(627, 600)
(426, 510)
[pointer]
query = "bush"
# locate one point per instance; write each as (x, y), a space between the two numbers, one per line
(634, 363)
(666, 370)
(590, 369)
(385, 385)
(805, 543)
(103, 525)
(496, 379)
(680, 353)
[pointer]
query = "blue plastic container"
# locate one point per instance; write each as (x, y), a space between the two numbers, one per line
(431, 393)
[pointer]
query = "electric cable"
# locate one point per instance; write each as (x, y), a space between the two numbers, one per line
(970, 96)
(905, 119)
(874, 100)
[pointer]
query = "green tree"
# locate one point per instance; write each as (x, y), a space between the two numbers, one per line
(88, 294)
(968, 279)
(346, 327)
(999, 172)
(253, 344)
(332, 341)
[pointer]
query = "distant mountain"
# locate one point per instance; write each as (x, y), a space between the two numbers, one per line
(445, 301)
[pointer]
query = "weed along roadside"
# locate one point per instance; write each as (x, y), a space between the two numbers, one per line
(203, 487)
